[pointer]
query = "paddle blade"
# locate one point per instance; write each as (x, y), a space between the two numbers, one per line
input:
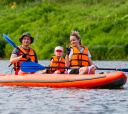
(123, 69)
(31, 67)
(9, 40)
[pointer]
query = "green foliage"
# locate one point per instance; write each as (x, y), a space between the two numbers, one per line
(98, 52)
(17, 1)
(126, 48)
(116, 52)
(101, 24)
(2, 46)
(8, 50)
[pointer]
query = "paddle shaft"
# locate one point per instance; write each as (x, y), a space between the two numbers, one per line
(117, 69)
(106, 68)
(62, 67)
(24, 53)
(79, 67)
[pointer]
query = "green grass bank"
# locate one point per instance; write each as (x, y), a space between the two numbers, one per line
(103, 26)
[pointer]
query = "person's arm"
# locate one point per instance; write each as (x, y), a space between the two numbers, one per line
(14, 55)
(90, 61)
(93, 67)
(67, 62)
(14, 59)
(69, 53)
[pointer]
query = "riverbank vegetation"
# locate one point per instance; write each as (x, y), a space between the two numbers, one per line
(103, 26)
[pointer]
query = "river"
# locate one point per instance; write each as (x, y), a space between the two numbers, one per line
(42, 100)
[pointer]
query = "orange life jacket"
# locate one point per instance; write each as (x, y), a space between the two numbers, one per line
(56, 63)
(17, 64)
(79, 59)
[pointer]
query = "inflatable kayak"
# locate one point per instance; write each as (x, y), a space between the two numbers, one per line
(110, 80)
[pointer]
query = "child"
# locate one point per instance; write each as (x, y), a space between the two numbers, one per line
(57, 61)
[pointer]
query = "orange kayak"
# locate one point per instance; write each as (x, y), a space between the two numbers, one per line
(109, 80)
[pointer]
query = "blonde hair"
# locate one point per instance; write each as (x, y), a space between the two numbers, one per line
(76, 34)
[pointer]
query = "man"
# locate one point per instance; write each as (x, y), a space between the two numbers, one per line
(28, 53)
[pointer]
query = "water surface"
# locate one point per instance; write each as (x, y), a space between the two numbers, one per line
(42, 100)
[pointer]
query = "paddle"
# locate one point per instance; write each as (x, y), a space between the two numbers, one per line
(118, 69)
(33, 67)
(12, 43)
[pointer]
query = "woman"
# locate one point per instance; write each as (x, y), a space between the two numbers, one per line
(78, 56)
